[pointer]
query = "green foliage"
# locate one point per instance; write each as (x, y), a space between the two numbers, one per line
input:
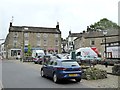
(103, 24)
(29, 52)
(94, 74)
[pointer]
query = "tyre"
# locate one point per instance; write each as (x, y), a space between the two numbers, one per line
(42, 73)
(55, 79)
(78, 79)
(40, 62)
(35, 62)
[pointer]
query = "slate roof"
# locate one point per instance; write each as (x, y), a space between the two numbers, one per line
(75, 35)
(34, 29)
(98, 34)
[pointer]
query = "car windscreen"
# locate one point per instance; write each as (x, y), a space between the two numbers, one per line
(69, 63)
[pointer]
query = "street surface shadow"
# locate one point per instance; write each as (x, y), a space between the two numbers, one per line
(64, 81)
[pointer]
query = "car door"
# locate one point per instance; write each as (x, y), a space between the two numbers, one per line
(46, 68)
(50, 68)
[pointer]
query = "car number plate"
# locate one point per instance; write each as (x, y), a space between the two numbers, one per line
(72, 75)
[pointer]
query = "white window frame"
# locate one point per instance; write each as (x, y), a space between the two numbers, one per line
(38, 43)
(38, 34)
(14, 43)
(15, 34)
(26, 42)
(91, 42)
(45, 35)
(56, 42)
(45, 42)
(26, 34)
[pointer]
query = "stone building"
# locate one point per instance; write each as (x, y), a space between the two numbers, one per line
(70, 41)
(19, 37)
(96, 39)
(2, 50)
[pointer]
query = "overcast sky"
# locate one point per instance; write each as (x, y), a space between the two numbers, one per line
(74, 15)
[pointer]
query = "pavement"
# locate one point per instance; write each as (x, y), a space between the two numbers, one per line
(108, 69)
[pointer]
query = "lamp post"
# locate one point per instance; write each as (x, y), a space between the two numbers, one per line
(105, 33)
(23, 44)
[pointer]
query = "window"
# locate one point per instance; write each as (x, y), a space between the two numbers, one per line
(56, 43)
(26, 42)
(56, 35)
(45, 42)
(38, 34)
(15, 34)
(92, 42)
(69, 63)
(51, 63)
(15, 38)
(70, 43)
(26, 35)
(55, 63)
(45, 35)
(13, 53)
(79, 54)
(14, 44)
(38, 43)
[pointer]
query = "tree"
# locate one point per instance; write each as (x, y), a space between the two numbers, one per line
(29, 52)
(103, 24)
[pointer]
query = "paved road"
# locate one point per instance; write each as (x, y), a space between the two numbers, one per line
(21, 75)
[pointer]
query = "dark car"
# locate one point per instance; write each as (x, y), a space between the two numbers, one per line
(62, 69)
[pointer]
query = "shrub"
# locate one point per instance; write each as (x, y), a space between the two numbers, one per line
(94, 74)
(116, 69)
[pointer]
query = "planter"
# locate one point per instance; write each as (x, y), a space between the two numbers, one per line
(94, 74)
(116, 69)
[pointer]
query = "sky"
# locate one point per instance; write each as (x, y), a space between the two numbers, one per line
(72, 15)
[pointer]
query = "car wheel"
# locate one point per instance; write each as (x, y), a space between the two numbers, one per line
(55, 79)
(40, 62)
(78, 79)
(35, 62)
(42, 73)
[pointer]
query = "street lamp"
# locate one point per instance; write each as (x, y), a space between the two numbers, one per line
(105, 33)
(23, 44)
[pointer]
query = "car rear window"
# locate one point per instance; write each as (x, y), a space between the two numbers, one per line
(69, 63)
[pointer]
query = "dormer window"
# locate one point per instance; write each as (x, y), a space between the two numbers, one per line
(26, 28)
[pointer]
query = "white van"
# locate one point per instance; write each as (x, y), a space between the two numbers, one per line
(87, 53)
(36, 53)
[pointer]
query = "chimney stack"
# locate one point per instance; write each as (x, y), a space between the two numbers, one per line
(57, 26)
(10, 24)
(11, 21)
(69, 32)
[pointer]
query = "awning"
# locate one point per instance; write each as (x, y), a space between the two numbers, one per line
(52, 49)
(26, 49)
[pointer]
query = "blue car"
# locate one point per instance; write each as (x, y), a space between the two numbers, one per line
(62, 69)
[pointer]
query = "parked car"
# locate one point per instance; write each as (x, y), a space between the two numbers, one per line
(62, 69)
(46, 58)
(67, 56)
(38, 59)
